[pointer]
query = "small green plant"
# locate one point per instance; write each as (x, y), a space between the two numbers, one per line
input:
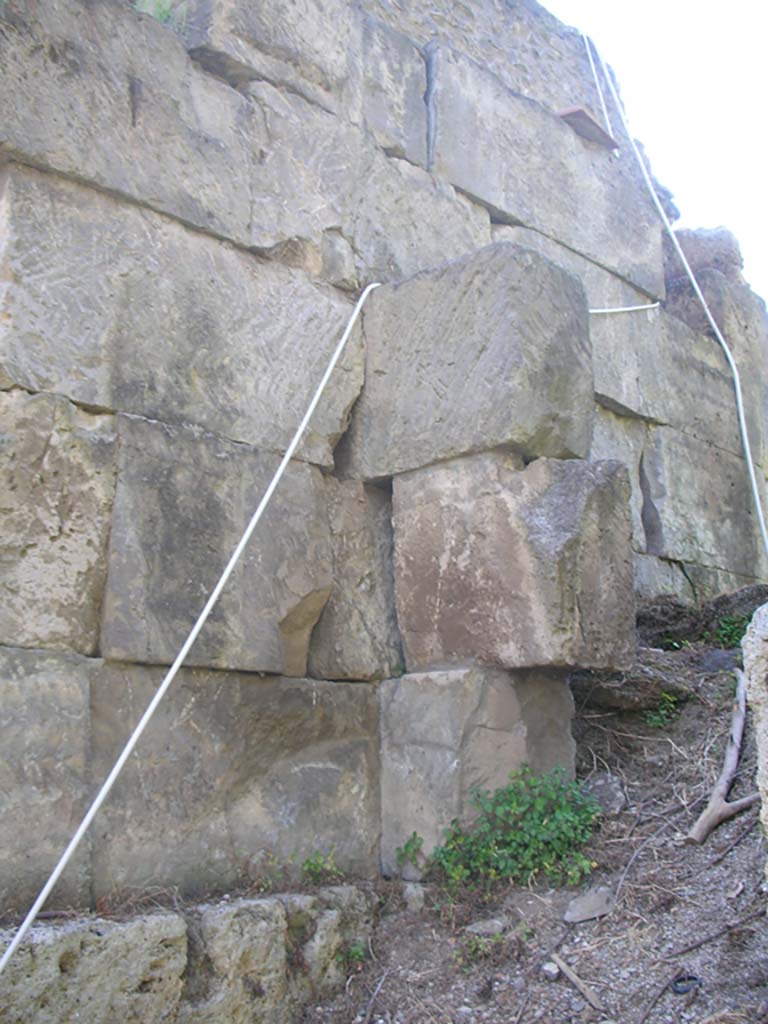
(534, 824)
(665, 712)
(730, 630)
(353, 957)
(320, 869)
(474, 948)
(670, 643)
(165, 11)
(410, 852)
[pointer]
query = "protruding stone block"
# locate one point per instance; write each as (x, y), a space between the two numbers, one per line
(57, 481)
(755, 648)
(623, 438)
(183, 500)
(514, 567)
(357, 635)
(122, 309)
(97, 970)
(125, 109)
(231, 766)
(490, 350)
(444, 733)
(528, 166)
(698, 505)
(44, 775)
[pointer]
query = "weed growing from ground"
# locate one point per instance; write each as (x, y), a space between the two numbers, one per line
(320, 869)
(730, 630)
(664, 713)
(533, 825)
(410, 852)
(166, 11)
(353, 957)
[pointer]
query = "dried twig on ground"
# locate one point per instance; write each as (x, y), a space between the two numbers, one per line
(734, 842)
(716, 935)
(575, 980)
(657, 996)
(372, 1000)
(719, 809)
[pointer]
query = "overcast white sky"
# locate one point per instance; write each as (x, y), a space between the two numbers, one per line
(694, 79)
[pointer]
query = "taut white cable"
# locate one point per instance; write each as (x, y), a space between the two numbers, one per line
(626, 309)
(743, 430)
(215, 593)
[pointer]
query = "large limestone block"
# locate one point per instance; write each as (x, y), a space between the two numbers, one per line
(528, 166)
(259, 961)
(755, 648)
(690, 582)
(698, 505)
(357, 635)
(183, 500)
(238, 967)
(444, 733)
(44, 775)
(326, 51)
(321, 175)
(232, 767)
(57, 484)
(524, 45)
(623, 438)
(98, 93)
(603, 288)
(123, 309)
(514, 567)
(490, 350)
(97, 970)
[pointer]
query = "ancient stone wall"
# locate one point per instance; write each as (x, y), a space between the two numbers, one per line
(188, 209)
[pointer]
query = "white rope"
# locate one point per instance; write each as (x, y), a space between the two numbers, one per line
(597, 83)
(210, 603)
(625, 309)
(743, 430)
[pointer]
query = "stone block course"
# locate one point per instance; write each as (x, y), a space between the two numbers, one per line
(57, 485)
(122, 309)
(44, 775)
(125, 109)
(232, 765)
(490, 350)
(443, 733)
(357, 635)
(99, 971)
(518, 568)
(529, 167)
(182, 502)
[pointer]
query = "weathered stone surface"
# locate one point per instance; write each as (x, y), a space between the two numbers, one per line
(458, 361)
(259, 961)
(357, 635)
(396, 217)
(328, 52)
(122, 309)
(526, 164)
(704, 249)
(623, 438)
(604, 290)
(608, 791)
(183, 500)
(125, 109)
(443, 733)
(238, 968)
(514, 567)
(57, 483)
(98, 971)
(686, 580)
(232, 765)
(44, 780)
(755, 648)
(404, 220)
(698, 505)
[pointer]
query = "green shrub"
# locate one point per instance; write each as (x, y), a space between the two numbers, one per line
(664, 713)
(534, 824)
(730, 630)
(320, 869)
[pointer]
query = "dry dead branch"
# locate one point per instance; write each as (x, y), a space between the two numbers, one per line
(719, 809)
(575, 980)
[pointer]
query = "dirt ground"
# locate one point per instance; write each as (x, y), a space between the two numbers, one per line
(695, 913)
